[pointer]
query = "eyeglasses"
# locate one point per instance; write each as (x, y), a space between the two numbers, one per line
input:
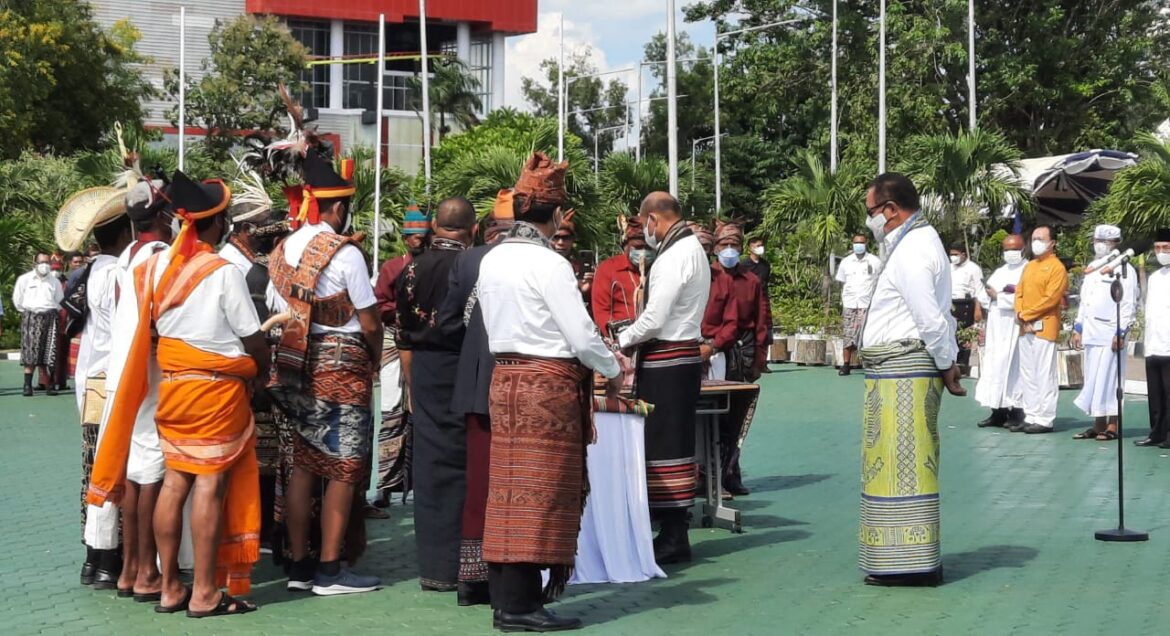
(871, 211)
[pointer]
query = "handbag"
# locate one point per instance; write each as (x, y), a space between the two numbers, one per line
(75, 304)
(741, 358)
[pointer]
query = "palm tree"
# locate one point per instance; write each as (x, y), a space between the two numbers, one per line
(396, 194)
(966, 178)
(623, 182)
(818, 209)
(1138, 200)
(453, 91)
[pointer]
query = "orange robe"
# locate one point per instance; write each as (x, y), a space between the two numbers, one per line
(204, 415)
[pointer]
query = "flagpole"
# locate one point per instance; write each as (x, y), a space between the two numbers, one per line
(971, 64)
(561, 94)
(671, 102)
(833, 100)
(426, 96)
(882, 90)
(182, 84)
(378, 141)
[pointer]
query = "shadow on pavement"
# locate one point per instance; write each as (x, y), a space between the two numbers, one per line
(618, 601)
(784, 482)
(964, 564)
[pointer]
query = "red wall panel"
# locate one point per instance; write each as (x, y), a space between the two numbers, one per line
(510, 16)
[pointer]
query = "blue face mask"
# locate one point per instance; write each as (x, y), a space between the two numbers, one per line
(638, 257)
(729, 257)
(859, 248)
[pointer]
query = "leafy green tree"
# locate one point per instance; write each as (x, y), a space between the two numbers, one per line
(969, 180)
(396, 193)
(250, 57)
(695, 80)
(65, 80)
(1138, 201)
(452, 92)
(591, 104)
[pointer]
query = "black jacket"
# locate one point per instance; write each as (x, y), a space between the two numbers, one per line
(473, 380)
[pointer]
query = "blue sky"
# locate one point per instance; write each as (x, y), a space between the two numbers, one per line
(615, 29)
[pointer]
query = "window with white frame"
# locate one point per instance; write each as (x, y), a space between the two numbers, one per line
(359, 81)
(314, 35)
(479, 66)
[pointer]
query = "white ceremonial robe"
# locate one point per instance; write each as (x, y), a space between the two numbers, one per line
(1097, 319)
(999, 364)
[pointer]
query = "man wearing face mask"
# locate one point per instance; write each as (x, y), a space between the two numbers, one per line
(908, 347)
(212, 355)
(1097, 330)
(756, 264)
(748, 356)
(395, 427)
(856, 274)
(617, 287)
(966, 283)
(999, 386)
(37, 295)
(1157, 344)
(323, 376)
(1039, 298)
(670, 369)
(721, 316)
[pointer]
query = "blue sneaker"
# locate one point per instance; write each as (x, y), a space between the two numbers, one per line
(344, 582)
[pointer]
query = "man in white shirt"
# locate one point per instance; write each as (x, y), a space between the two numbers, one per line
(1157, 344)
(670, 367)
(909, 349)
(545, 346)
(966, 284)
(106, 220)
(324, 374)
(1097, 330)
(856, 274)
(37, 295)
(999, 387)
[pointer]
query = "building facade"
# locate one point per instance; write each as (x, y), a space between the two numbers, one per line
(343, 94)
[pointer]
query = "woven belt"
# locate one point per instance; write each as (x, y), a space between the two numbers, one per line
(213, 376)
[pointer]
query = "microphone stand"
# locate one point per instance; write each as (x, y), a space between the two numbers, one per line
(1120, 533)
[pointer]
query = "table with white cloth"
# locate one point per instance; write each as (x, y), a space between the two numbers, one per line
(615, 544)
(715, 401)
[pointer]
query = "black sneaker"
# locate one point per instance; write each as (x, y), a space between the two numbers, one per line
(300, 575)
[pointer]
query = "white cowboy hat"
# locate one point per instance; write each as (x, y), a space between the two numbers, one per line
(85, 210)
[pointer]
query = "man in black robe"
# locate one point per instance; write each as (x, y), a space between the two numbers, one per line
(430, 366)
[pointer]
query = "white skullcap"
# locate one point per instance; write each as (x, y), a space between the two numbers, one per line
(1107, 233)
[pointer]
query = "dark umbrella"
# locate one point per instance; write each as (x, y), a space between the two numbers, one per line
(1064, 191)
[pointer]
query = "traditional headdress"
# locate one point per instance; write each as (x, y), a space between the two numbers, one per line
(321, 182)
(706, 238)
(1107, 233)
(567, 223)
(85, 210)
(541, 181)
(192, 202)
(414, 221)
(502, 217)
(728, 230)
(631, 228)
(250, 198)
(503, 208)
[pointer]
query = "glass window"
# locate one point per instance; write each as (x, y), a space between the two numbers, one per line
(359, 81)
(315, 36)
(480, 67)
(397, 93)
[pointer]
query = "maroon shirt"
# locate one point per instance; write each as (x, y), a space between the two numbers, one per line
(384, 290)
(614, 286)
(752, 306)
(721, 318)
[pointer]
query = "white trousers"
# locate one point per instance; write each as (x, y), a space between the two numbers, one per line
(1098, 396)
(1039, 380)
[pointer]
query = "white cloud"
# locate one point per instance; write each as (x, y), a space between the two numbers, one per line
(526, 52)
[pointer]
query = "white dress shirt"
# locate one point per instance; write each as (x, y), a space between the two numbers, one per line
(1097, 313)
(857, 275)
(966, 279)
(36, 294)
(93, 356)
(215, 318)
(1157, 336)
(233, 255)
(532, 306)
(912, 300)
(347, 272)
(1000, 278)
(679, 284)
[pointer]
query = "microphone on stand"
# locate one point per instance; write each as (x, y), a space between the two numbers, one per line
(1122, 258)
(1101, 262)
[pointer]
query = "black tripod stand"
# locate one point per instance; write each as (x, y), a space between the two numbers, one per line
(1120, 533)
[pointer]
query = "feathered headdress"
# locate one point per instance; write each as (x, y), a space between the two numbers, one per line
(250, 198)
(279, 155)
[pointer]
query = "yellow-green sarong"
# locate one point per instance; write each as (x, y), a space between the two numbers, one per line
(900, 461)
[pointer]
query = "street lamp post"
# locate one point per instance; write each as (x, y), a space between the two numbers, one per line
(561, 94)
(971, 64)
(833, 100)
(641, 65)
(563, 101)
(718, 161)
(882, 89)
(426, 97)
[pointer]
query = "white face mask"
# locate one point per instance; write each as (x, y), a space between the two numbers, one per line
(877, 226)
(1163, 258)
(651, 240)
(758, 250)
(43, 269)
(859, 248)
(1039, 248)
(1100, 249)
(955, 259)
(1013, 257)
(176, 226)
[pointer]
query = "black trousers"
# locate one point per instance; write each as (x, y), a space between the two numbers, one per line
(1158, 388)
(515, 588)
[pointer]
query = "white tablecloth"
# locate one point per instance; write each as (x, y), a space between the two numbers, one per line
(616, 541)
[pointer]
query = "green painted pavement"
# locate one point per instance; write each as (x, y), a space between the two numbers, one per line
(1019, 513)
